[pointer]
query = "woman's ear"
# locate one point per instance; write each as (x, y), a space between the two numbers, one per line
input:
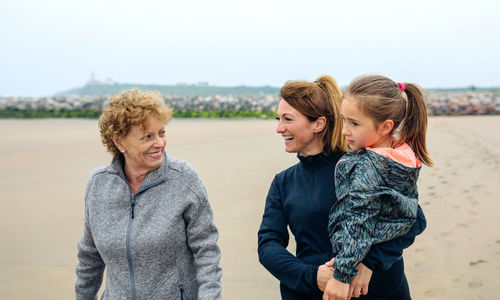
(117, 141)
(386, 127)
(320, 124)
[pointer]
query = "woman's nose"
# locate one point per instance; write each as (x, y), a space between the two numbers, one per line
(279, 128)
(160, 141)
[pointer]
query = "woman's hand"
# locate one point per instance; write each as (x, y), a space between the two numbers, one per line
(325, 272)
(336, 290)
(359, 283)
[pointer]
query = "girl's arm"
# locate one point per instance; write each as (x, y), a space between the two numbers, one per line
(272, 242)
(355, 217)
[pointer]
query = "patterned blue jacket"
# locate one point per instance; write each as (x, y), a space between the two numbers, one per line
(377, 202)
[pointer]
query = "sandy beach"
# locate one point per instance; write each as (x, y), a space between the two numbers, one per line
(44, 165)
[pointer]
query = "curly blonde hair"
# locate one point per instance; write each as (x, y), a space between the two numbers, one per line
(127, 109)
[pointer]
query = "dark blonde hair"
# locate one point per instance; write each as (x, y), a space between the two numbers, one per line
(382, 99)
(127, 109)
(321, 98)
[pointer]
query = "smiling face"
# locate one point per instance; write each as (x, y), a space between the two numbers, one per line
(144, 146)
(360, 130)
(300, 134)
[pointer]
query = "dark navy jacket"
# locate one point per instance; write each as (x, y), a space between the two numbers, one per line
(300, 198)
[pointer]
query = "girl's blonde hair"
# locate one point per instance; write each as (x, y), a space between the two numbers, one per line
(383, 99)
(321, 98)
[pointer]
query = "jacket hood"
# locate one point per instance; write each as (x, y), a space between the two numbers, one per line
(394, 174)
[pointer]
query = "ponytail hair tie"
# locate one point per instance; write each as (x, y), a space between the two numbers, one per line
(401, 86)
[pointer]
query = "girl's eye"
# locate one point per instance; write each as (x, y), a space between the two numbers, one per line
(162, 132)
(288, 119)
(148, 136)
(277, 118)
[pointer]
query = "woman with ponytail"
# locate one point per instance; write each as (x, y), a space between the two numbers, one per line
(385, 124)
(300, 197)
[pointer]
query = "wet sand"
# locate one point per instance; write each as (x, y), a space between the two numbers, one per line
(44, 165)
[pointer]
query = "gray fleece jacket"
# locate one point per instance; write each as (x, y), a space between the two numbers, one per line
(160, 243)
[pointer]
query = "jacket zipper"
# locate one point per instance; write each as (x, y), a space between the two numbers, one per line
(315, 202)
(183, 295)
(128, 248)
(133, 292)
(132, 206)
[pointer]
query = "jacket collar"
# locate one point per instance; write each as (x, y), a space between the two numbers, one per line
(153, 178)
(313, 160)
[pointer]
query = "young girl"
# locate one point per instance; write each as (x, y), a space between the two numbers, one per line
(385, 124)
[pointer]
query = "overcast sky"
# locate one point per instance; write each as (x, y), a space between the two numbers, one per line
(53, 45)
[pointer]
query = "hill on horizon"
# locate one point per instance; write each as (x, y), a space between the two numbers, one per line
(103, 90)
(173, 90)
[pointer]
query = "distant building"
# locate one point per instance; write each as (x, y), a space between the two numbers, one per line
(94, 81)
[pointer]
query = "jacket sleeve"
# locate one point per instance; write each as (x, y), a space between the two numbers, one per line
(359, 226)
(202, 238)
(90, 268)
(272, 242)
(382, 256)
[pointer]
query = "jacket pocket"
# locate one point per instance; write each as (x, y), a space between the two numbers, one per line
(168, 288)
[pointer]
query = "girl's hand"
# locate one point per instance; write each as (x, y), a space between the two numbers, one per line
(359, 283)
(336, 290)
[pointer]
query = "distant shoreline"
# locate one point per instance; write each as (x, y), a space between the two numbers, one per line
(6, 114)
(94, 114)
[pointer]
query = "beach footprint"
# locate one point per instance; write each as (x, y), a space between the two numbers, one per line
(477, 262)
(432, 293)
(475, 284)
(446, 233)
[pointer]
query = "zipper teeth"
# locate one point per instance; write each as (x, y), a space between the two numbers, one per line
(183, 295)
(129, 250)
(132, 206)
(133, 292)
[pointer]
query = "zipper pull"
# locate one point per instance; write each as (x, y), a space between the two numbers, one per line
(183, 295)
(132, 205)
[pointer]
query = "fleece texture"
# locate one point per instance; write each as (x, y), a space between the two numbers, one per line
(160, 243)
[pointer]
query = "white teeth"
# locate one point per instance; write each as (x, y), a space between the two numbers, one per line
(155, 154)
(288, 138)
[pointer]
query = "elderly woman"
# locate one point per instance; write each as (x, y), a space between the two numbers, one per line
(147, 217)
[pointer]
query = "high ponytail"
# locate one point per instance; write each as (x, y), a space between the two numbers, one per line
(382, 99)
(337, 141)
(321, 98)
(414, 127)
